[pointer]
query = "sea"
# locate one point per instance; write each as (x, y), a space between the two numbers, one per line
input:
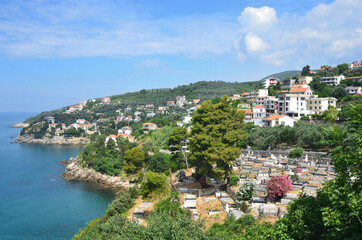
(35, 201)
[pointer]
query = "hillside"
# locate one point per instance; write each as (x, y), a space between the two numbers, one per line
(283, 75)
(202, 90)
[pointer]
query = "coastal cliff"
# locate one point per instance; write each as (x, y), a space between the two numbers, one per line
(73, 172)
(26, 138)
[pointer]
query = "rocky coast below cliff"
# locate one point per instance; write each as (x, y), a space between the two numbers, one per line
(74, 172)
(26, 138)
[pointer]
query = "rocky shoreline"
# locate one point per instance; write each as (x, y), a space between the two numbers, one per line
(52, 141)
(20, 125)
(73, 172)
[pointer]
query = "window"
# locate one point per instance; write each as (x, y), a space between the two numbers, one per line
(302, 98)
(287, 98)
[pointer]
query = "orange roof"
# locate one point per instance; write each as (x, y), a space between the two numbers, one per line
(298, 90)
(272, 117)
(53, 124)
(147, 123)
(82, 119)
(247, 111)
(258, 106)
(112, 136)
(86, 125)
(354, 77)
(197, 106)
(245, 93)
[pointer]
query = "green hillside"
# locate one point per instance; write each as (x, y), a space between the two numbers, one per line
(283, 75)
(203, 90)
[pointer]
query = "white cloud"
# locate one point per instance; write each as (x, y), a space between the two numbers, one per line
(258, 19)
(328, 32)
(254, 43)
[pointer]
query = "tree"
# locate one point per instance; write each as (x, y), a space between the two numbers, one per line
(155, 186)
(331, 114)
(216, 131)
(159, 162)
(296, 152)
(133, 160)
(278, 186)
(339, 92)
(177, 140)
(245, 192)
(306, 71)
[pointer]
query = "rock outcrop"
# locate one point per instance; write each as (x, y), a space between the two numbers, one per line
(73, 172)
(28, 138)
(20, 125)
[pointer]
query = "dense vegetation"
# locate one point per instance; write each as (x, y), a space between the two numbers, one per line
(302, 134)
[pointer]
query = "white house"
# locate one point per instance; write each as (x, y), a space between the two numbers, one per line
(128, 118)
(277, 120)
(270, 81)
(80, 121)
(259, 113)
(319, 105)
(180, 100)
(248, 115)
(353, 90)
(125, 130)
(356, 64)
(305, 79)
(335, 80)
(113, 137)
(305, 91)
(147, 127)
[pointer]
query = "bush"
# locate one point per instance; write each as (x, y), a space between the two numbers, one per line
(296, 152)
(278, 186)
(156, 186)
(245, 192)
(234, 180)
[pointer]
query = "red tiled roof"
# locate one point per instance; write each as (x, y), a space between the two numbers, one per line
(247, 111)
(298, 90)
(274, 117)
(258, 106)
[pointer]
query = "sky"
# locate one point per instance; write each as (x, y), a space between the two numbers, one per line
(56, 53)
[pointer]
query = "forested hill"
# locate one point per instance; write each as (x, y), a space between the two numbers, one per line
(283, 75)
(203, 90)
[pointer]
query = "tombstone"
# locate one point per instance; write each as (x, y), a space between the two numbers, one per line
(306, 158)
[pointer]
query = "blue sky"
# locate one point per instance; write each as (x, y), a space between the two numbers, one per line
(56, 53)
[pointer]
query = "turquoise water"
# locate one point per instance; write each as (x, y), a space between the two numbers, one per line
(35, 202)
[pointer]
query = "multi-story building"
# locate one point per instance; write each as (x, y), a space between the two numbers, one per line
(259, 114)
(270, 81)
(356, 64)
(319, 105)
(271, 105)
(293, 104)
(335, 80)
(254, 94)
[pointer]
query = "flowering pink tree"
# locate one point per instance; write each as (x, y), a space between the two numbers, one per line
(278, 186)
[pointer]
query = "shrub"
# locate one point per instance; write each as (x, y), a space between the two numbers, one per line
(156, 186)
(278, 186)
(245, 192)
(234, 180)
(296, 152)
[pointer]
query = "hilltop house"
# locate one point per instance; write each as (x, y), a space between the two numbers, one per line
(294, 104)
(180, 101)
(147, 127)
(125, 130)
(171, 103)
(270, 81)
(353, 90)
(106, 100)
(80, 121)
(356, 64)
(305, 79)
